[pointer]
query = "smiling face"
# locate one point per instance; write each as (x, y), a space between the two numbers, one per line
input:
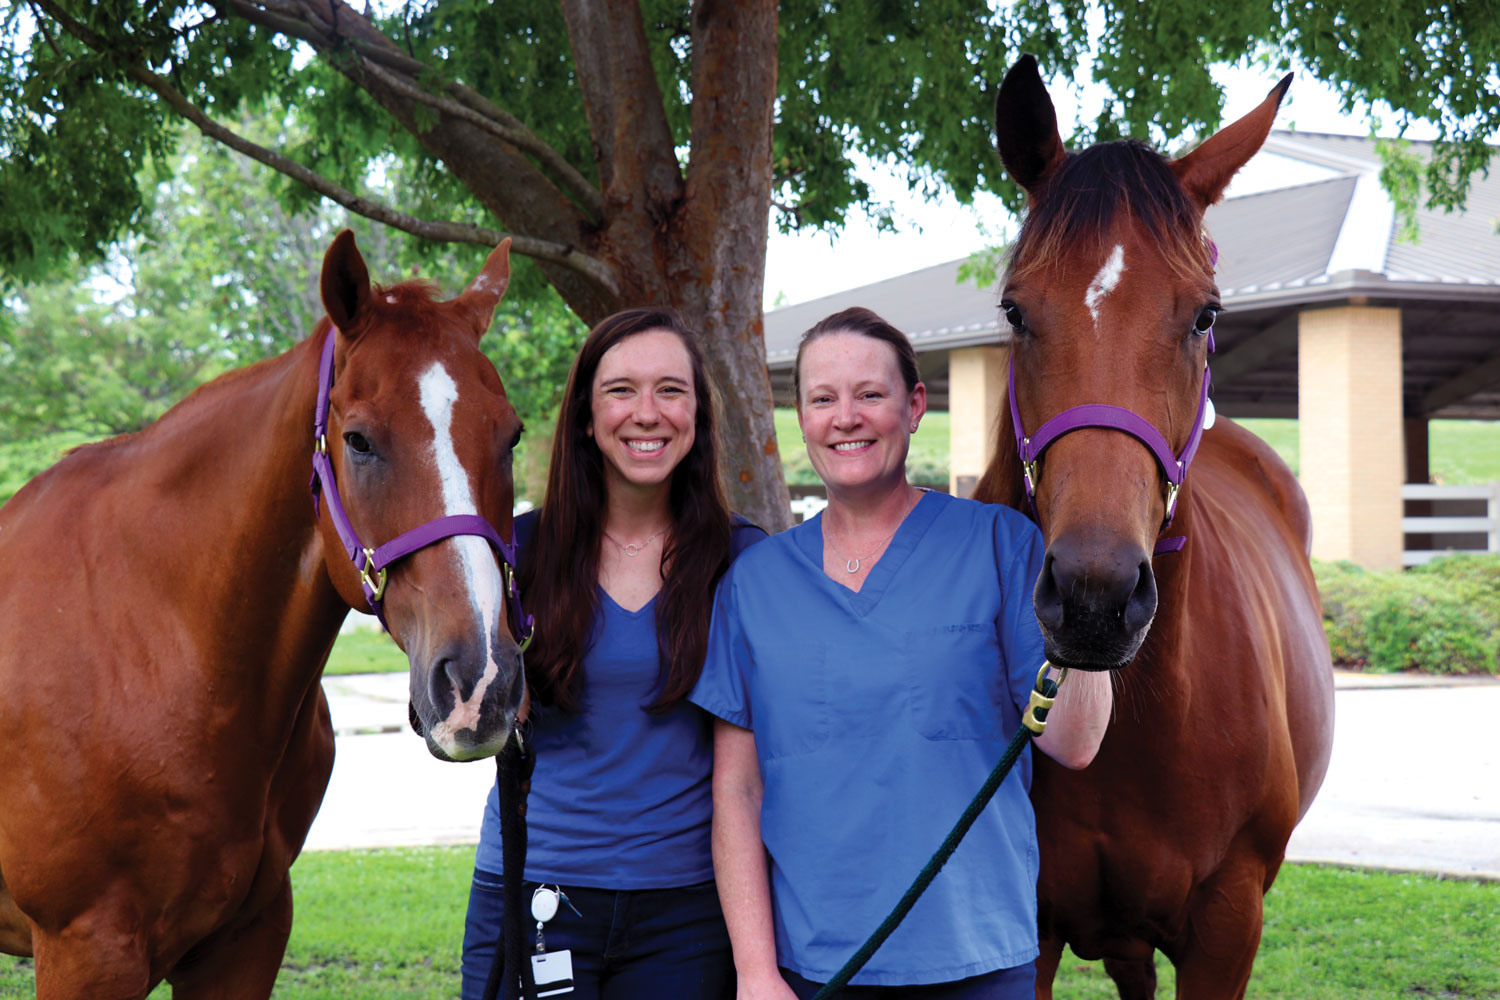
(643, 408)
(856, 412)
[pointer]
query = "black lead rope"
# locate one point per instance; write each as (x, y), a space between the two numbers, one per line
(513, 766)
(1033, 722)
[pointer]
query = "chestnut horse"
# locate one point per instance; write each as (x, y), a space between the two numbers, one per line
(168, 601)
(1224, 698)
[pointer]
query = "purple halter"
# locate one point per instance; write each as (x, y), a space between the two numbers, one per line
(1173, 466)
(373, 564)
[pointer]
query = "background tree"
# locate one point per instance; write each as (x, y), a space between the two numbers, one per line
(633, 149)
(222, 273)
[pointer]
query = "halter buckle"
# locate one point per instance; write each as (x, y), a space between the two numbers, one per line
(1172, 489)
(320, 444)
(1028, 470)
(374, 585)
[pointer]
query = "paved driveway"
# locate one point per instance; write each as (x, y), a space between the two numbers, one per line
(1414, 782)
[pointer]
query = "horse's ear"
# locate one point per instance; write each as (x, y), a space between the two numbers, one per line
(345, 283)
(1207, 170)
(484, 292)
(1026, 127)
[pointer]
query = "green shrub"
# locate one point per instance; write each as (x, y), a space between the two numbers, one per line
(1441, 618)
(21, 460)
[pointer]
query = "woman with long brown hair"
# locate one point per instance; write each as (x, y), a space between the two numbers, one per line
(619, 567)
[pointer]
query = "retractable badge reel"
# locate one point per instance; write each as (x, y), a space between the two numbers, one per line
(552, 970)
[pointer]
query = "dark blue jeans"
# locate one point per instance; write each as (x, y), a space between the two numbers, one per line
(641, 944)
(1018, 983)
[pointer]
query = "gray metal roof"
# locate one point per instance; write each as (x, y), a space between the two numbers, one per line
(1328, 241)
(1279, 238)
(930, 306)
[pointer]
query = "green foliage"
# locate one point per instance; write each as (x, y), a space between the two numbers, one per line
(20, 460)
(1441, 618)
(1401, 176)
(906, 84)
(222, 275)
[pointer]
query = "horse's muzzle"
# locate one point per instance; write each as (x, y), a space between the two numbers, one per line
(465, 706)
(1094, 613)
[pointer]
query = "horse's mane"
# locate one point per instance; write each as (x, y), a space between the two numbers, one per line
(418, 291)
(1079, 202)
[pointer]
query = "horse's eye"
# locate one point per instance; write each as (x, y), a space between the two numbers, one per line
(517, 439)
(357, 443)
(1013, 316)
(1205, 320)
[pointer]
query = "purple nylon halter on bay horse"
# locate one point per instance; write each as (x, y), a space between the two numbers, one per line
(373, 563)
(1174, 467)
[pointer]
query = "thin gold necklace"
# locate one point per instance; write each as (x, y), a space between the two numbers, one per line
(632, 550)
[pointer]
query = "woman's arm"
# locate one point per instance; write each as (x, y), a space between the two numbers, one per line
(1076, 723)
(740, 863)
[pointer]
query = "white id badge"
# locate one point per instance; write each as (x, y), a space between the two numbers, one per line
(553, 972)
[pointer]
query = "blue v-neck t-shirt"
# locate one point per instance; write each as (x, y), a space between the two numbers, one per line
(877, 715)
(621, 797)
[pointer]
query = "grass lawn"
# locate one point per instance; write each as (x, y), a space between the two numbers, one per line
(365, 651)
(387, 924)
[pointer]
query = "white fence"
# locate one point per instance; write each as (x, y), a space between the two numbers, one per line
(1440, 523)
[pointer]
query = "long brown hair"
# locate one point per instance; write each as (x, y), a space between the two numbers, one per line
(560, 573)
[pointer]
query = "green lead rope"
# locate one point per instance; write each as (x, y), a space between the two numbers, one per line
(1033, 722)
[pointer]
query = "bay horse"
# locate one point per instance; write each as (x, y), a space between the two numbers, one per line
(167, 604)
(1195, 586)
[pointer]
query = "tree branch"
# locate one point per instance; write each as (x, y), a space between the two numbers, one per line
(622, 97)
(41, 23)
(301, 21)
(442, 231)
(587, 195)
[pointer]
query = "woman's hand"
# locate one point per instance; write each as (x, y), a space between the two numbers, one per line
(774, 988)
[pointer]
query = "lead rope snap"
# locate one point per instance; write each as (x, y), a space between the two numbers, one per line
(1043, 697)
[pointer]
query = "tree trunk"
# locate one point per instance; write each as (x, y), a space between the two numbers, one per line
(693, 239)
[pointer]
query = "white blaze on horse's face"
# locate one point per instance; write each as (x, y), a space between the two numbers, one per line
(439, 395)
(1105, 281)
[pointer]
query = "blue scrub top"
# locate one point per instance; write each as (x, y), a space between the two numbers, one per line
(877, 716)
(621, 798)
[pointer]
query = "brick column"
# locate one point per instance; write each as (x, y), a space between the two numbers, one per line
(1349, 424)
(976, 391)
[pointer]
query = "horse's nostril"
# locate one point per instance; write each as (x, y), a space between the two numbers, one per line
(1140, 608)
(449, 684)
(1047, 597)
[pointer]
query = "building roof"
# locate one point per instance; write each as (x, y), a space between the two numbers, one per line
(1331, 237)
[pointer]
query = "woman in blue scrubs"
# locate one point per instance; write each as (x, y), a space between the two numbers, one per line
(619, 568)
(867, 669)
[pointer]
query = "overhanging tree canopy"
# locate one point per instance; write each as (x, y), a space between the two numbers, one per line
(633, 149)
